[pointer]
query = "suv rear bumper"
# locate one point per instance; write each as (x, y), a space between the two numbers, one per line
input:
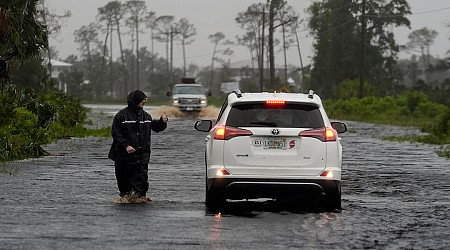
(246, 188)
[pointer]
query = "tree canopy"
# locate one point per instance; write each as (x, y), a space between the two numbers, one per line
(344, 30)
(22, 36)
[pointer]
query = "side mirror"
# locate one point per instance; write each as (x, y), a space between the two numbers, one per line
(208, 93)
(340, 127)
(203, 125)
(169, 93)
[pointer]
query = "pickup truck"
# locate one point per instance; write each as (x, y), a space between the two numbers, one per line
(188, 97)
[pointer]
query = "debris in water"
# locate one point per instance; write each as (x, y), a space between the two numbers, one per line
(132, 199)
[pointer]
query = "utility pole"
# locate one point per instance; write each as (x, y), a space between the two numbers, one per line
(170, 36)
(362, 59)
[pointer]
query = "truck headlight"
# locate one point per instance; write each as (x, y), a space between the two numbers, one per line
(203, 101)
(175, 101)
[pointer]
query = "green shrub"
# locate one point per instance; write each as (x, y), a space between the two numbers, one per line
(350, 89)
(22, 137)
(29, 119)
(69, 111)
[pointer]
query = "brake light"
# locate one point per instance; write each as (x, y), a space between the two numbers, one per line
(226, 133)
(323, 134)
(275, 102)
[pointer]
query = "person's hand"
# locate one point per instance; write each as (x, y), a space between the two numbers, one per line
(130, 149)
(164, 117)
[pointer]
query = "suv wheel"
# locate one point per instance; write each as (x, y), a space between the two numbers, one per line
(213, 200)
(332, 200)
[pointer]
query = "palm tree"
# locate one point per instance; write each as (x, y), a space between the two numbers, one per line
(21, 35)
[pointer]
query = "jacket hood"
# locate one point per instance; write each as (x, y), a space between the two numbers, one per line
(134, 98)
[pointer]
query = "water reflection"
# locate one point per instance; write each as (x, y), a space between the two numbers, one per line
(254, 208)
(216, 232)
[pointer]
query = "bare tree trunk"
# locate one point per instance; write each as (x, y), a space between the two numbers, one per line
(271, 46)
(49, 65)
(301, 62)
(171, 59)
(111, 77)
(104, 56)
(212, 69)
(285, 56)
(132, 85)
(121, 56)
(184, 57)
(137, 53)
(168, 61)
(152, 62)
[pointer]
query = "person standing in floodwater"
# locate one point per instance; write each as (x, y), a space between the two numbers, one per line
(130, 150)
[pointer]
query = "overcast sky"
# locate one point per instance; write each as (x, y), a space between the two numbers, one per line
(211, 16)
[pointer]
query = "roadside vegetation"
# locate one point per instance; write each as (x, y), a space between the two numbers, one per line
(30, 119)
(412, 108)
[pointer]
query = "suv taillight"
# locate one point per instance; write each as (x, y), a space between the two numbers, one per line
(226, 132)
(323, 134)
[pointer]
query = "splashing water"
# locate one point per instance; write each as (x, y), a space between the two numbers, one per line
(173, 112)
(209, 112)
(132, 199)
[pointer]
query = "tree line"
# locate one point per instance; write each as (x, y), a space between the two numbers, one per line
(354, 41)
(355, 55)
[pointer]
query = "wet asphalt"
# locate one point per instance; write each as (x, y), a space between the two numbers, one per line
(395, 196)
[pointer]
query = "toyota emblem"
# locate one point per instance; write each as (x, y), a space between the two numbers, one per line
(275, 131)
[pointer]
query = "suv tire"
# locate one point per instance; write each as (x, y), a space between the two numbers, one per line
(212, 200)
(332, 200)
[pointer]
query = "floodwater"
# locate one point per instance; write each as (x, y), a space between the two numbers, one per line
(395, 196)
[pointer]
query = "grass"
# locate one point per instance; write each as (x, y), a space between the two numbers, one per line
(444, 151)
(8, 171)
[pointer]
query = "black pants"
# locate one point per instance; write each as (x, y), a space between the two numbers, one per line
(131, 178)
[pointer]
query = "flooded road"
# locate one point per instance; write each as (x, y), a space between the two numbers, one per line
(395, 196)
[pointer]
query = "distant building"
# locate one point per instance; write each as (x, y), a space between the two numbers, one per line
(57, 68)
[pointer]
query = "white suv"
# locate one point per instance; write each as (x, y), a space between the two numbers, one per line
(273, 145)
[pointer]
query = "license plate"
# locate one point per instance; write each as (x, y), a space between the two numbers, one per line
(190, 108)
(275, 143)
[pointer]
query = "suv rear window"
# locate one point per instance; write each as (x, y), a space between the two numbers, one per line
(290, 115)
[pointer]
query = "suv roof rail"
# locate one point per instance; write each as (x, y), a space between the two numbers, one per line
(237, 92)
(311, 94)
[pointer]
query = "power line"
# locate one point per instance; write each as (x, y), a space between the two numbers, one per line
(412, 14)
(376, 16)
(342, 24)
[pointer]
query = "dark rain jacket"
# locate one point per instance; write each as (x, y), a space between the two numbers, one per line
(132, 127)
